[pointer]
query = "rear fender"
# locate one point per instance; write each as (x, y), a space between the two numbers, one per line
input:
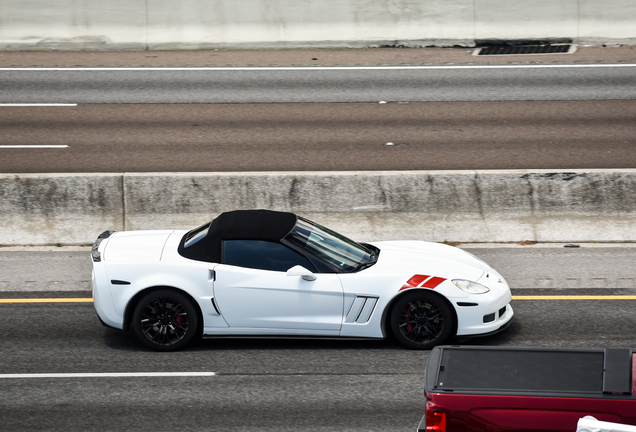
(132, 304)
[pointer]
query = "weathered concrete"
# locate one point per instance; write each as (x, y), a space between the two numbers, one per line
(201, 24)
(464, 206)
(58, 208)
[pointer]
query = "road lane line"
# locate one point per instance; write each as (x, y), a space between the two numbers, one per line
(37, 146)
(316, 68)
(516, 297)
(47, 300)
(109, 375)
(36, 104)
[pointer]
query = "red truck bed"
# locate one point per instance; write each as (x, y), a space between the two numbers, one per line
(472, 388)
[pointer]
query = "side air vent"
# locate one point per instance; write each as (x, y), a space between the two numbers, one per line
(361, 309)
(119, 282)
(215, 306)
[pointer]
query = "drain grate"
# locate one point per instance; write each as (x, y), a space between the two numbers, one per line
(525, 49)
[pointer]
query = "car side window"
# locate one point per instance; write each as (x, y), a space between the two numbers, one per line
(262, 255)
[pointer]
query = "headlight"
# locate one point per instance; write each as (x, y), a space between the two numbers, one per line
(470, 287)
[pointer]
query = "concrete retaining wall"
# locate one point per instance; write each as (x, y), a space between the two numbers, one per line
(464, 206)
(197, 24)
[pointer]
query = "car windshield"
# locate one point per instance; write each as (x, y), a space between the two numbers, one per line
(334, 248)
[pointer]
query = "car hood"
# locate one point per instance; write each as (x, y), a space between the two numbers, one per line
(136, 246)
(434, 259)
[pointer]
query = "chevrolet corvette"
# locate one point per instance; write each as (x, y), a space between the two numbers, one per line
(255, 273)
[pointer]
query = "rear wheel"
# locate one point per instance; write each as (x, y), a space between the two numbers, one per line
(165, 320)
(421, 320)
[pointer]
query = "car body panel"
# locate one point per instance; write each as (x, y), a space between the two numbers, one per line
(137, 246)
(524, 413)
(442, 260)
(236, 300)
(252, 298)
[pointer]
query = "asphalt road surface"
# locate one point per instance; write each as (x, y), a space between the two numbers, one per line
(479, 118)
(318, 84)
(269, 384)
(318, 137)
(498, 112)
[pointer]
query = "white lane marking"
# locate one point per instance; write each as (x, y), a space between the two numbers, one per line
(318, 68)
(36, 104)
(33, 146)
(109, 375)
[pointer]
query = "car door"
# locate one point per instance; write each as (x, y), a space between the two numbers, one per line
(252, 290)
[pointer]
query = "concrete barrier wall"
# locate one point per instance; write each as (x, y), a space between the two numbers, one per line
(196, 24)
(464, 206)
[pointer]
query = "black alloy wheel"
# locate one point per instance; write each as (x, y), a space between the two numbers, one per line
(165, 320)
(421, 320)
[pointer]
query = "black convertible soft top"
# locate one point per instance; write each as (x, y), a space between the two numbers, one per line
(238, 225)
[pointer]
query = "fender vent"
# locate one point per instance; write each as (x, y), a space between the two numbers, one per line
(119, 282)
(525, 49)
(361, 309)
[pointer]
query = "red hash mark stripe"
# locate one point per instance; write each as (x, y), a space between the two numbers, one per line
(423, 281)
(415, 281)
(433, 282)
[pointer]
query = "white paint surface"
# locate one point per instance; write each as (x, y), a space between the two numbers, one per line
(108, 375)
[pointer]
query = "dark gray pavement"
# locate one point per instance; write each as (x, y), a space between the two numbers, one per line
(319, 84)
(320, 137)
(270, 384)
(282, 385)
(169, 137)
(312, 57)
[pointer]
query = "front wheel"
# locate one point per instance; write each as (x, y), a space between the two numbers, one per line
(165, 320)
(421, 320)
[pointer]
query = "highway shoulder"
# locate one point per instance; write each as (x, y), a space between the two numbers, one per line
(311, 57)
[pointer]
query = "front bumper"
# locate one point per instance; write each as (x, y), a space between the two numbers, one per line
(484, 316)
(464, 338)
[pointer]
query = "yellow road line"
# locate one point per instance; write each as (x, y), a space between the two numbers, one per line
(517, 297)
(575, 297)
(47, 300)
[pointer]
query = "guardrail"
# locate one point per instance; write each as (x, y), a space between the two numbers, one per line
(203, 24)
(463, 206)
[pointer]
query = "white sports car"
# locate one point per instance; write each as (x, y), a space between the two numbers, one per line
(266, 273)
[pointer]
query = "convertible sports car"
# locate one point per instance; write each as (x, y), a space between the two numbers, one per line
(266, 273)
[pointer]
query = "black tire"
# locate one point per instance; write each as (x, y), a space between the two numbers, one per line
(165, 320)
(421, 320)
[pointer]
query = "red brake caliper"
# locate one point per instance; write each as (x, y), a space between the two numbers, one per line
(409, 326)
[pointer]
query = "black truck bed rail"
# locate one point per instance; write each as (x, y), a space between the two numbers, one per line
(541, 371)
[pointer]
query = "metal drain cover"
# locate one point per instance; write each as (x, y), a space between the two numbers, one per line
(525, 49)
